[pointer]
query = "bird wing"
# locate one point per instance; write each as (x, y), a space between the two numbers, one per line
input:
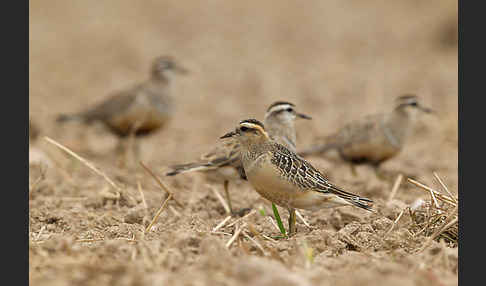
(114, 104)
(304, 175)
(226, 153)
(355, 132)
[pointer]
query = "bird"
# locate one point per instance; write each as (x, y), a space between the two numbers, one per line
(141, 109)
(375, 138)
(223, 160)
(281, 176)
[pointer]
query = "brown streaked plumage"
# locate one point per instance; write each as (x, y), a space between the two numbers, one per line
(281, 176)
(224, 161)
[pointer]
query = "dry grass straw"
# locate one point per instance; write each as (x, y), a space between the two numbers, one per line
(437, 218)
(221, 200)
(162, 185)
(221, 224)
(103, 239)
(174, 211)
(37, 237)
(273, 223)
(445, 198)
(119, 192)
(252, 212)
(436, 176)
(169, 196)
(395, 222)
(238, 230)
(59, 167)
(139, 188)
(396, 185)
(39, 179)
(263, 241)
(158, 213)
(84, 161)
(301, 217)
(256, 243)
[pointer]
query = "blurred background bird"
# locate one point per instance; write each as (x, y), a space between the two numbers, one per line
(224, 159)
(139, 110)
(375, 138)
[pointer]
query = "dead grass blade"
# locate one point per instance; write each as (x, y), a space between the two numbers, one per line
(37, 238)
(252, 212)
(84, 161)
(302, 218)
(235, 236)
(90, 240)
(430, 190)
(273, 222)
(139, 188)
(174, 211)
(434, 220)
(443, 228)
(221, 200)
(396, 185)
(258, 245)
(444, 187)
(158, 213)
(39, 179)
(221, 224)
(162, 185)
(395, 222)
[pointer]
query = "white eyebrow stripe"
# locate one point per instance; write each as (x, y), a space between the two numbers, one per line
(280, 107)
(250, 125)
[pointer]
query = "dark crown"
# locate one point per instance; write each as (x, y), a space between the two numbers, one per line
(279, 103)
(253, 121)
(408, 96)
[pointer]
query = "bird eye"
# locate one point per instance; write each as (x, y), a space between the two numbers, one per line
(289, 109)
(243, 128)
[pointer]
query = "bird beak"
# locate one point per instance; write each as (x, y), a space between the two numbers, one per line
(304, 116)
(228, 135)
(426, 109)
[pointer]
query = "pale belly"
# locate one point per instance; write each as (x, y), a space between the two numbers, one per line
(268, 183)
(375, 150)
(144, 118)
(226, 173)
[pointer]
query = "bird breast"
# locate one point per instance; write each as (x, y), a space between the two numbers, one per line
(138, 114)
(269, 182)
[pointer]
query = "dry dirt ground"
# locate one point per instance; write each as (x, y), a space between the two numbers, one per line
(336, 60)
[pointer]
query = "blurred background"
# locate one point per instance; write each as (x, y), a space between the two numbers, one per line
(336, 60)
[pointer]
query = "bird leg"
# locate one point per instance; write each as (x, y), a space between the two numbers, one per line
(228, 199)
(353, 170)
(136, 151)
(292, 216)
(240, 212)
(121, 150)
(133, 143)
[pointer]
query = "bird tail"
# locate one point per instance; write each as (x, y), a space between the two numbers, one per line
(363, 203)
(189, 167)
(353, 199)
